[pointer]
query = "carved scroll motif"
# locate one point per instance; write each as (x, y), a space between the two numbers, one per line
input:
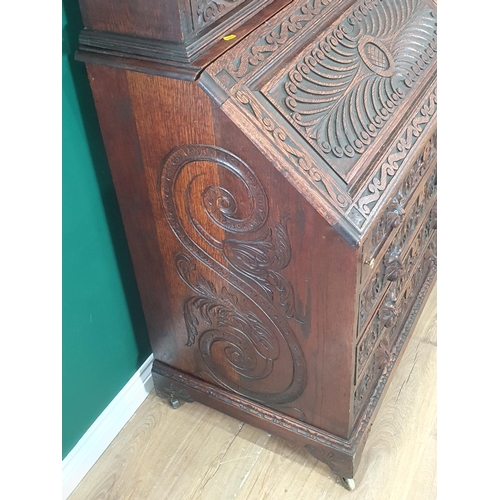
(343, 91)
(277, 37)
(394, 213)
(396, 157)
(205, 12)
(239, 331)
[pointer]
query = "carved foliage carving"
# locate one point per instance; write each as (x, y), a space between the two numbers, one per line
(391, 219)
(367, 344)
(249, 346)
(394, 320)
(394, 213)
(205, 12)
(389, 167)
(261, 259)
(392, 263)
(240, 334)
(370, 296)
(388, 310)
(277, 37)
(345, 89)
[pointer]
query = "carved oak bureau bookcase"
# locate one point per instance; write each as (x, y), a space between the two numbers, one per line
(275, 164)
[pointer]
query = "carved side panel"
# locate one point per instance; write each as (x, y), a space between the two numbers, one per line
(237, 314)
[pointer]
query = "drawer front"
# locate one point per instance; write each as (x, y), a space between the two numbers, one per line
(400, 207)
(374, 348)
(390, 264)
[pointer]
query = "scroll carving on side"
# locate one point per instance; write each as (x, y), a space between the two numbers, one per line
(237, 314)
(261, 259)
(386, 172)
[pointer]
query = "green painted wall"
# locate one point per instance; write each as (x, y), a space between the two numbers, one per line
(104, 334)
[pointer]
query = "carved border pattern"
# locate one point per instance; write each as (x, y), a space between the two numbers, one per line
(391, 219)
(292, 151)
(277, 37)
(238, 322)
(205, 12)
(389, 167)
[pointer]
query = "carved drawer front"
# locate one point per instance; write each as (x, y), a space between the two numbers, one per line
(391, 263)
(404, 207)
(384, 337)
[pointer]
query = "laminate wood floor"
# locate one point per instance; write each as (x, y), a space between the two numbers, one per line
(198, 453)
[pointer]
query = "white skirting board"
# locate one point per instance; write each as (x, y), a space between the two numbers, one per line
(109, 423)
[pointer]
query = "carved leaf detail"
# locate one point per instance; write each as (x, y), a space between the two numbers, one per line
(261, 259)
(392, 263)
(207, 11)
(286, 295)
(395, 211)
(388, 311)
(221, 310)
(252, 259)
